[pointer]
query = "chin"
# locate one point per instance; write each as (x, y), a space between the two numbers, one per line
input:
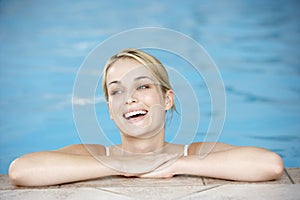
(142, 133)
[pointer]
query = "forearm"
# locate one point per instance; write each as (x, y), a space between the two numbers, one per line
(240, 163)
(51, 168)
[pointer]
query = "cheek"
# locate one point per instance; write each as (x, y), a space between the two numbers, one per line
(153, 98)
(114, 107)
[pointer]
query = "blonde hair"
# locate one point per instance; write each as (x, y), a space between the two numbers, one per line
(150, 62)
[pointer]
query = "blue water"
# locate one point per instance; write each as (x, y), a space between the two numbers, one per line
(256, 45)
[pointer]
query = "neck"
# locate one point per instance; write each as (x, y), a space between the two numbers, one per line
(142, 145)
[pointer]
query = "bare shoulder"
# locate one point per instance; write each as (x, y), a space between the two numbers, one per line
(204, 147)
(83, 149)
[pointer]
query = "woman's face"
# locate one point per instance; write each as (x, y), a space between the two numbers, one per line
(135, 101)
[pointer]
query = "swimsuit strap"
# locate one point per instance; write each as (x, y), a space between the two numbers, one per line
(185, 150)
(107, 153)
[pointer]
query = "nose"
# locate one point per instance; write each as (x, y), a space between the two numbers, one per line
(131, 99)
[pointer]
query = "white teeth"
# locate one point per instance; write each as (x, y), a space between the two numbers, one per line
(132, 113)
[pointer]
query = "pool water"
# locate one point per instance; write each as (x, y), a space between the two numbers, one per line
(255, 44)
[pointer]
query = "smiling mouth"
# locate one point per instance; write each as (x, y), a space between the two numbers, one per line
(135, 115)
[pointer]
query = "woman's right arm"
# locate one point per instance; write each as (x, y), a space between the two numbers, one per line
(56, 167)
(78, 163)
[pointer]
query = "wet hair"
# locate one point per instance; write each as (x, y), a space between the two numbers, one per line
(147, 60)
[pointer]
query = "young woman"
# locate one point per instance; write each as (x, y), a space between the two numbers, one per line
(138, 93)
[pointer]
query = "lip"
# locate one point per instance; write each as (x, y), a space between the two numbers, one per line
(136, 119)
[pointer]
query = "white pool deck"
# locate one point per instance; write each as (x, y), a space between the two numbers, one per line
(180, 187)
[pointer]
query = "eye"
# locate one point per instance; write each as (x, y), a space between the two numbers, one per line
(143, 87)
(115, 92)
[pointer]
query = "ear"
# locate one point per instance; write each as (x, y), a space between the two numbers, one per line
(169, 99)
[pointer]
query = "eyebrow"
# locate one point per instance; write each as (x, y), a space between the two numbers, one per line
(114, 82)
(136, 79)
(142, 77)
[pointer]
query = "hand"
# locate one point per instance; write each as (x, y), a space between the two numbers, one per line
(166, 170)
(137, 165)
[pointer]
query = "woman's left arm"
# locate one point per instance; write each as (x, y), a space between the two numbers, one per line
(232, 163)
(226, 162)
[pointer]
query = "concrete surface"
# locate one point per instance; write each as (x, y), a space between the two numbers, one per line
(180, 187)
